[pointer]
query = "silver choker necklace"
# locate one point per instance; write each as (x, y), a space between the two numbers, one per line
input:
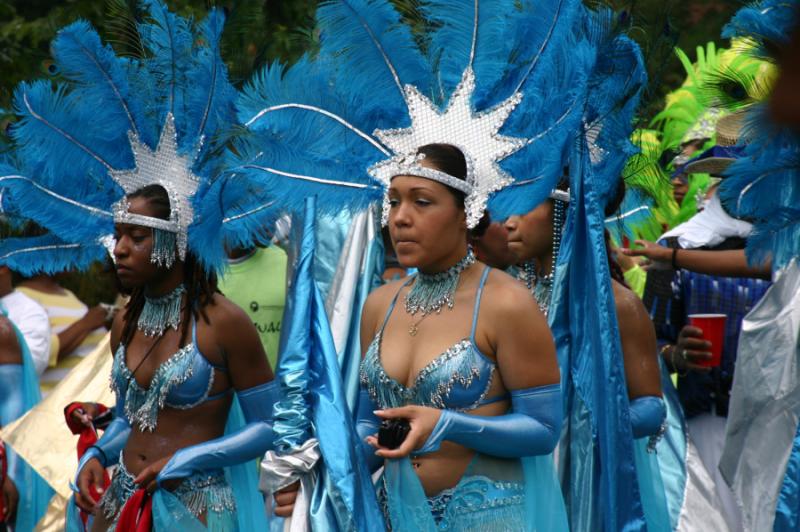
(432, 292)
(161, 313)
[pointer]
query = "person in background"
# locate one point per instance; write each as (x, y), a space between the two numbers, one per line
(75, 328)
(256, 282)
(29, 317)
(491, 247)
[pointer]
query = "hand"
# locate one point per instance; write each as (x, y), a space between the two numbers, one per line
(95, 317)
(10, 500)
(85, 414)
(90, 479)
(284, 499)
(422, 419)
(690, 349)
(147, 477)
(651, 250)
(625, 262)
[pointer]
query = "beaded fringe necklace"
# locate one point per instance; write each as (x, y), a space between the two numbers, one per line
(432, 292)
(161, 313)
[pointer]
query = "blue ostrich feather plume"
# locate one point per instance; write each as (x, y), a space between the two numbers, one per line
(169, 40)
(210, 104)
(48, 254)
(767, 23)
(98, 75)
(370, 38)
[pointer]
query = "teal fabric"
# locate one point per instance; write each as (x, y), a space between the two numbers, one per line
(34, 492)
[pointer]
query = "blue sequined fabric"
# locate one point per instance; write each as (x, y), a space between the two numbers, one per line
(457, 379)
(206, 495)
(143, 404)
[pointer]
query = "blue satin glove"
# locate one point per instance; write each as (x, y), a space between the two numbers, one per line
(111, 443)
(531, 428)
(647, 415)
(367, 424)
(247, 443)
(11, 408)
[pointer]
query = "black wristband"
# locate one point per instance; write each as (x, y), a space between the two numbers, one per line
(675, 258)
(104, 459)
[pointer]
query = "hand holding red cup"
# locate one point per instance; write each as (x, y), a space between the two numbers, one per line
(713, 331)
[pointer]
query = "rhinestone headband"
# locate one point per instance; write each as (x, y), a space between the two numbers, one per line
(123, 216)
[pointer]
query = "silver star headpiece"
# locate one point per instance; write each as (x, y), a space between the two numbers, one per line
(165, 167)
(475, 134)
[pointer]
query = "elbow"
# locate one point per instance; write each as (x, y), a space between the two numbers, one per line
(647, 414)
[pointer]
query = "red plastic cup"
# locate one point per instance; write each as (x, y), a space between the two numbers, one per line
(713, 327)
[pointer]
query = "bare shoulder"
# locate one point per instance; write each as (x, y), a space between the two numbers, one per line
(630, 309)
(380, 298)
(226, 315)
(506, 296)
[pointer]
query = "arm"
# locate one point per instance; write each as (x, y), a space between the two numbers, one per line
(527, 363)
(727, 263)
(642, 374)
(70, 338)
(252, 378)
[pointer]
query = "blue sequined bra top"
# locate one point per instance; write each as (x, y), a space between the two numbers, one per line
(182, 381)
(457, 379)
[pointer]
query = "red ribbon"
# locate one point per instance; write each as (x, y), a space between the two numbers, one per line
(137, 514)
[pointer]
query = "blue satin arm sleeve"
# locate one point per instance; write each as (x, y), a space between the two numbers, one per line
(367, 424)
(531, 428)
(11, 406)
(249, 442)
(647, 415)
(111, 443)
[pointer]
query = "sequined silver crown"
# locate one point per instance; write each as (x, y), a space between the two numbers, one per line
(166, 167)
(476, 134)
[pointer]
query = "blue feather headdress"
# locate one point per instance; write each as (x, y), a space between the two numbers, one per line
(340, 124)
(763, 186)
(117, 124)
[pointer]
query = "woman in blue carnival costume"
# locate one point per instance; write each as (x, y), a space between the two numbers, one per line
(130, 146)
(437, 105)
(25, 493)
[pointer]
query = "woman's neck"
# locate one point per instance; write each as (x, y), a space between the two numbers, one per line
(544, 263)
(172, 280)
(446, 263)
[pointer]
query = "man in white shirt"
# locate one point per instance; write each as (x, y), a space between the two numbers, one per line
(29, 317)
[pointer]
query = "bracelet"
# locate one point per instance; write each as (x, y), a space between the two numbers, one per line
(104, 461)
(674, 258)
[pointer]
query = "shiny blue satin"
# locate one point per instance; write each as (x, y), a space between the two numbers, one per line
(787, 511)
(587, 336)
(532, 427)
(309, 371)
(651, 487)
(19, 392)
(671, 449)
(647, 414)
(367, 424)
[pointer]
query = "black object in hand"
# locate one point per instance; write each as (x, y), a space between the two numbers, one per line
(393, 432)
(103, 420)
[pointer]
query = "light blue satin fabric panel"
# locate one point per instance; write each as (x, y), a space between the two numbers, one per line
(651, 487)
(671, 449)
(22, 394)
(787, 511)
(350, 358)
(314, 399)
(346, 477)
(595, 358)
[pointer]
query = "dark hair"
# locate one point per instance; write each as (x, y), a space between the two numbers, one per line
(200, 285)
(450, 160)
